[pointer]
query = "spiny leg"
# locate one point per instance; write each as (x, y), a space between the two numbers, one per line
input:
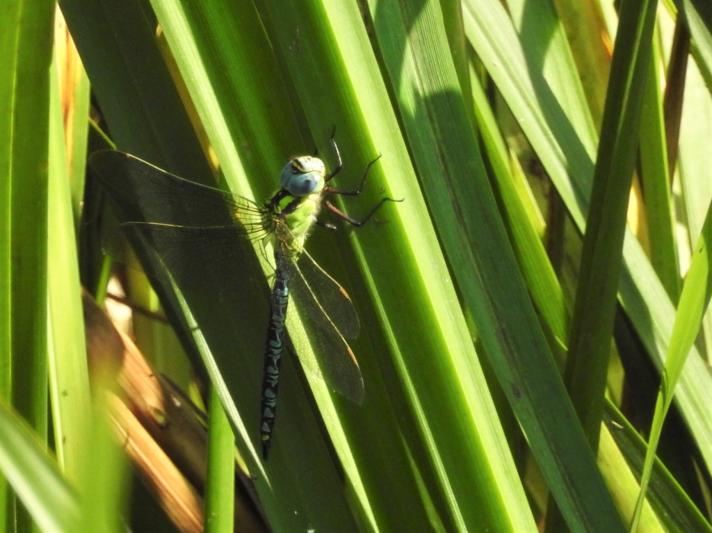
(357, 191)
(354, 222)
(339, 162)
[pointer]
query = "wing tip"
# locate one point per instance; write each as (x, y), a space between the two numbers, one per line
(357, 394)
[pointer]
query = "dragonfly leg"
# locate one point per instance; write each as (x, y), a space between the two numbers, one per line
(357, 191)
(354, 222)
(339, 162)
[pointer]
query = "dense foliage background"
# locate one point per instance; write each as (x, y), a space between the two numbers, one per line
(547, 266)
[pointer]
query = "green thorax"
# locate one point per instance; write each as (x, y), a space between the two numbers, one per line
(293, 219)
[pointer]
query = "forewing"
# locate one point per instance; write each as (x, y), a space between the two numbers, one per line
(144, 192)
(195, 234)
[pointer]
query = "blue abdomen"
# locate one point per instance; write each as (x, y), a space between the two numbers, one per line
(273, 355)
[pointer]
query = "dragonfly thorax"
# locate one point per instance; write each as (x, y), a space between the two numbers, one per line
(294, 218)
(303, 175)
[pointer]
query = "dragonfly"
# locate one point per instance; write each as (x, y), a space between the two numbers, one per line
(285, 221)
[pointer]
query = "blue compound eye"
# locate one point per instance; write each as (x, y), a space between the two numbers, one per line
(303, 175)
(302, 184)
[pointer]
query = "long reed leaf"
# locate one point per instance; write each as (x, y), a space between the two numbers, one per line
(694, 300)
(34, 476)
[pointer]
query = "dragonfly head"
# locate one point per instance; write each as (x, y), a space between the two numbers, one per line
(303, 175)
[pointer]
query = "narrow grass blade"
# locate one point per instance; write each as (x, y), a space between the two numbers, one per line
(103, 480)
(672, 505)
(68, 373)
(694, 300)
(24, 170)
(9, 49)
(693, 164)
(656, 183)
(592, 323)
(220, 490)
(34, 476)
(698, 16)
(75, 103)
(515, 202)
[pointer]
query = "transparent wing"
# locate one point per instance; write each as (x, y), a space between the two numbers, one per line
(218, 259)
(144, 192)
(337, 363)
(333, 298)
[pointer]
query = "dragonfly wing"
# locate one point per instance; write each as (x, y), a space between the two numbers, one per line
(332, 297)
(198, 234)
(143, 192)
(218, 253)
(337, 362)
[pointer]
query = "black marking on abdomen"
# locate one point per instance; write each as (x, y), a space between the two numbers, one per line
(273, 355)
